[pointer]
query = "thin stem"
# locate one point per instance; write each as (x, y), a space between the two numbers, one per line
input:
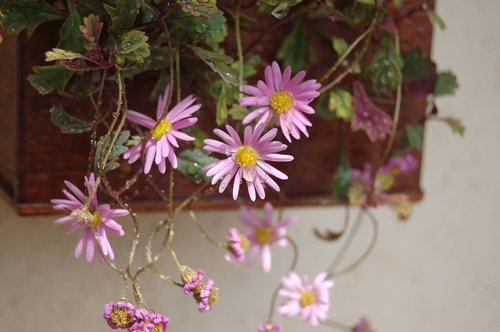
(171, 183)
(295, 259)
(178, 72)
(238, 46)
(368, 250)
(337, 325)
(347, 243)
(203, 230)
(348, 70)
(351, 47)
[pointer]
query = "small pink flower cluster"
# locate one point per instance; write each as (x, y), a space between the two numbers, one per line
(123, 315)
(203, 292)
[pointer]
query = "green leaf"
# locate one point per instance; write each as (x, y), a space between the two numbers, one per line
(49, 78)
(281, 8)
(446, 84)
(342, 179)
(195, 30)
(118, 149)
(221, 115)
(59, 54)
(416, 65)
(339, 45)
(238, 112)
(199, 135)
(123, 15)
(455, 124)
(199, 8)
(385, 68)
(133, 47)
(436, 19)
(367, 2)
(71, 37)
(17, 15)
(157, 60)
(340, 102)
(219, 64)
(191, 163)
(385, 181)
(414, 136)
(398, 2)
(68, 123)
(293, 50)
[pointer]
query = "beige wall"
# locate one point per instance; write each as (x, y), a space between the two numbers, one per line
(437, 272)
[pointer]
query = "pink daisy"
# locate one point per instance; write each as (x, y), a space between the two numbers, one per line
(264, 234)
(246, 160)
(90, 218)
(270, 327)
(159, 322)
(164, 132)
(310, 300)
(368, 117)
(237, 244)
(284, 96)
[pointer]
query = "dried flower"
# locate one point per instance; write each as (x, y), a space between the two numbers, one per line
(264, 234)
(191, 278)
(164, 132)
(270, 327)
(246, 160)
(368, 117)
(142, 322)
(159, 322)
(281, 95)
(206, 296)
(91, 217)
(119, 314)
(363, 326)
(237, 244)
(311, 301)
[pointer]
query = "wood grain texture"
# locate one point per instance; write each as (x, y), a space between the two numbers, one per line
(39, 158)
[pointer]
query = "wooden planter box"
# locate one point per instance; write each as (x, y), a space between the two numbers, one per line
(36, 158)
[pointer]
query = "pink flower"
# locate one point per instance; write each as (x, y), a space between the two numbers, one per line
(368, 117)
(119, 314)
(191, 279)
(207, 296)
(283, 96)
(311, 301)
(363, 326)
(159, 322)
(264, 234)
(246, 160)
(89, 217)
(142, 323)
(164, 132)
(270, 327)
(237, 244)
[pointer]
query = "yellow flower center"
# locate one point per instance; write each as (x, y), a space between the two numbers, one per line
(157, 328)
(264, 235)
(90, 219)
(244, 241)
(161, 128)
(246, 156)
(120, 317)
(281, 102)
(214, 296)
(307, 298)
